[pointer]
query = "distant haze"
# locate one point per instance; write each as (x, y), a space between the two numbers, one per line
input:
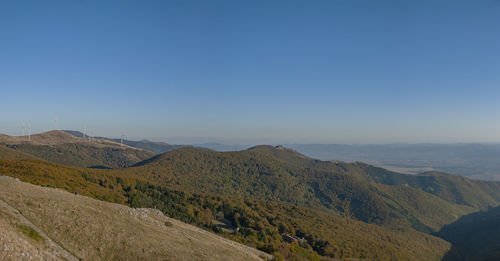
(253, 72)
(477, 161)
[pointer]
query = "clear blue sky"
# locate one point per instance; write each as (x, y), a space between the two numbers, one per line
(339, 71)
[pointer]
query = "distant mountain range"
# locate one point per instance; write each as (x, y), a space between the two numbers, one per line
(477, 161)
(275, 198)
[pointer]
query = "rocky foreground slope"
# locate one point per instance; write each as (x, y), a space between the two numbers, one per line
(50, 224)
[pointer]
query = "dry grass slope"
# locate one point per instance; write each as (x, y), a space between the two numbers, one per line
(95, 230)
(21, 240)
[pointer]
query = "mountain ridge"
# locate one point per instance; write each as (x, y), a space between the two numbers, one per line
(274, 173)
(63, 148)
(57, 137)
(153, 146)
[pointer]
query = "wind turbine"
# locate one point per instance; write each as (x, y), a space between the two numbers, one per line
(90, 134)
(29, 132)
(121, 141)
(55, 123)
(23, 127)
(84, 129)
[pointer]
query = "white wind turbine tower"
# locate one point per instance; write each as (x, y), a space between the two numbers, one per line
(121, 140)
(55, 124)
(29, 132)
(84, 129)
(90, 134)
(23, 127)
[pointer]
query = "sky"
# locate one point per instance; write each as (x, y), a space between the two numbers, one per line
(254, 72)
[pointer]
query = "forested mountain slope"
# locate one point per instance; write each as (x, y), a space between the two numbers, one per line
(254, 196)
(12, 154)
(84, 154)
(353, 190)
(260, 223)
(475, 237)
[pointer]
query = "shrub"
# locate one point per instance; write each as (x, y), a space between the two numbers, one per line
(30, 232)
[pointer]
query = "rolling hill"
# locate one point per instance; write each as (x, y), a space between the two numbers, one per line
(63, 148)
(260, 223)
(156, 147)
(54, 137)
(346, 189)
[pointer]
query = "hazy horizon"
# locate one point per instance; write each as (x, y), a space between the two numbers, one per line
(254, 72)
(216, 141)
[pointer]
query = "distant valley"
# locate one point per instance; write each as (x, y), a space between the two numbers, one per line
(477, 161)
(474, 160)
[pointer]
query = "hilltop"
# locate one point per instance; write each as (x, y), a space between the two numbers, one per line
(355, 190)
(156, 147)
(94, 230)
(56, 137)
(63, 148)
(46, 138)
